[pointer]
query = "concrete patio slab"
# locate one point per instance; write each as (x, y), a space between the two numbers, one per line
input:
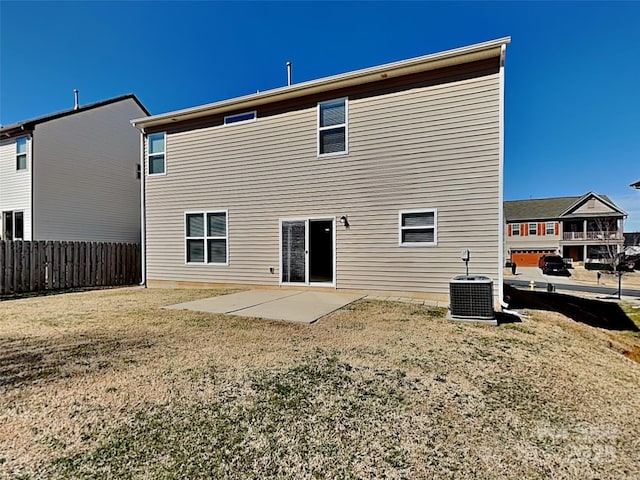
(233, 301)
(289, 305)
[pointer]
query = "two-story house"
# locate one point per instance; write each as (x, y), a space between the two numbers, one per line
(370, 180)
(577, 228)
(73, 175)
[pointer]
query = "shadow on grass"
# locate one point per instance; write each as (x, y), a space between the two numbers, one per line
(594, 313)
(26, 361)
(504, 318)
(47, 293)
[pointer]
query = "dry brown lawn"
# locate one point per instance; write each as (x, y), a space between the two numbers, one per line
(589, 277)
(105, 384)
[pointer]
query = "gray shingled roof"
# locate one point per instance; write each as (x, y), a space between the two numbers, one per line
(28, 125)
(542, 208)
(537, 209)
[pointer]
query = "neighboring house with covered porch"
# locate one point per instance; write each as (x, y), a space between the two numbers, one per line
(576, 228)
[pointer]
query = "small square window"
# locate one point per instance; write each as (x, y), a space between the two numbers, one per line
(156, 154)
(418, 228)
(332, 127)
(21, 153)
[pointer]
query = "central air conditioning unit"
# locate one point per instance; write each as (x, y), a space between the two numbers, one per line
(471, 298)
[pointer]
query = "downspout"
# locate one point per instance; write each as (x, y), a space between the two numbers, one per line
(30, 165)
(501, 238)
(143, 218)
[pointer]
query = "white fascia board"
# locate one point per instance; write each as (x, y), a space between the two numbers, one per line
(447, 58)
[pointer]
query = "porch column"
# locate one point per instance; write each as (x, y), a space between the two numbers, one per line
(584, 253)
(584, 228)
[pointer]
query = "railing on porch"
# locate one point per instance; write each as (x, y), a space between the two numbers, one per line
(592, 236)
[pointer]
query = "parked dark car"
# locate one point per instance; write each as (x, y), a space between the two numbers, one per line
(553, 265)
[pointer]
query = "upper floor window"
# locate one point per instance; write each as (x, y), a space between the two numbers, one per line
(239, 118)
(515, 230)
(12, 225)
(332, 127)
(156, 143)
(206, 237)
(551, 228)
(21, 153)
(418, 228)
(533, 229)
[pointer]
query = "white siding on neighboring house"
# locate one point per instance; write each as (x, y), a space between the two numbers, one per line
(434, 148)
(15, 185)
(85, 185)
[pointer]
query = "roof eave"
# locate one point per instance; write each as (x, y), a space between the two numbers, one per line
(466, 54)
(587, 195)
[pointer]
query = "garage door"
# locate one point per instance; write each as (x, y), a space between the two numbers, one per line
(529, 258)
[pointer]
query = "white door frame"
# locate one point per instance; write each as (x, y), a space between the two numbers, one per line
(306, 221)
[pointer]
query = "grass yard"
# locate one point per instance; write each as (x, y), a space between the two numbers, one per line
(104, 384)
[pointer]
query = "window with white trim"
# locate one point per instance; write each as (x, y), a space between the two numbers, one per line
(156, 155)
(240, 118)
(418, 228)
(21, 153)
(206, 237)
(515, 230)
(332, 127)
(533, 229)
(551, 228)
(12, 225)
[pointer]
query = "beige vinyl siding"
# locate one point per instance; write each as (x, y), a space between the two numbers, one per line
(15, 185)
(425, 148)
(594, 207)
(85, 176)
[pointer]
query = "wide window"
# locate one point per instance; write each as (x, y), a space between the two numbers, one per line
(206, 237)
(240, 118)
(551, 228)
(533, 229)
(332, 127)
(13, 225)
(418, 228)
(157, 154)
(21, 153)
(515, 230)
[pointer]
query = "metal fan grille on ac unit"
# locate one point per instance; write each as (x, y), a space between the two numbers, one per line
(471, 298)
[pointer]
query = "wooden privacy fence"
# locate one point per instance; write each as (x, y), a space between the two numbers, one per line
(36, 266)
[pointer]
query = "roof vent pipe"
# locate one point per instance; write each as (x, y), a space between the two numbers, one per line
(288, 73)
(77, 99)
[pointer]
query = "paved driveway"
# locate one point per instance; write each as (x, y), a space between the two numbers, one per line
(301, 306)
(535, 274)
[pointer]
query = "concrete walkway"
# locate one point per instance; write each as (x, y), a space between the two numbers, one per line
(300, 306)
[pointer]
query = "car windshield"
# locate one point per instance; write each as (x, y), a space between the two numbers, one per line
(554, 260)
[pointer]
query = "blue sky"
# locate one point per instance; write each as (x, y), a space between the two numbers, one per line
(572, 98)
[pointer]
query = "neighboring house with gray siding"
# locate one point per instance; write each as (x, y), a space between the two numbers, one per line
(370, 180)
(73, 175)
(580, 228)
